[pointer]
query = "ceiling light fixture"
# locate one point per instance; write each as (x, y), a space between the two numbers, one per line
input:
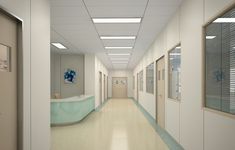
(119, 62)
(119, 54)
(178, 47)
(210, 37)
(119, 58)
(59, 45)
(224, 20)
(175, 54)
(118, 47)
(116, 20)
(117, 37)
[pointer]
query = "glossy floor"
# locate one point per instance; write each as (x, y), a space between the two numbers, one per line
(119, 125)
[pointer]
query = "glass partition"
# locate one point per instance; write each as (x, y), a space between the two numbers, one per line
(150, 78)
(141, 82)
(220, 63)
(174, 70)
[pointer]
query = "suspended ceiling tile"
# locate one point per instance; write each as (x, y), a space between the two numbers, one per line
(66, 3)
(114, 11)
(165, 2)
(78, 21)
(69, 11)
(115, 2)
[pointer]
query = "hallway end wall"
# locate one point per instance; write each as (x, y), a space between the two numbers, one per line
(121, 73)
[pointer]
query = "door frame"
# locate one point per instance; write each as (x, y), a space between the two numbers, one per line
(156, 83)
(20, 86)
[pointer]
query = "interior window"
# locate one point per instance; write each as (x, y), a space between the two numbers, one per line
(220, 63)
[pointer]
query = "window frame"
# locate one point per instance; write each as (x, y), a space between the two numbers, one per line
(133, 84)
(168, 71)
(203, 102)
(152, 63)
(141, 82)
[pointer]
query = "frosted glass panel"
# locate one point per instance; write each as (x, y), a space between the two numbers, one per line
(150, 78)
(174, 73)
(220, 64)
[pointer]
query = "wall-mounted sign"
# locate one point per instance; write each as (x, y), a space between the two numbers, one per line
(5, 65)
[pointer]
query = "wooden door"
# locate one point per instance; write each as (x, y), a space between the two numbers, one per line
(160, 101)
(119, 87)
(8, 83)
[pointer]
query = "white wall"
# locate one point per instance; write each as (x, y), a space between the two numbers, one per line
(89, 67)
(192, 126)
(121, 73)
(61, 62)
(92, 68)
(36, 73)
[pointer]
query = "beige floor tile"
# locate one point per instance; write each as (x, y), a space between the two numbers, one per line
(119, 125)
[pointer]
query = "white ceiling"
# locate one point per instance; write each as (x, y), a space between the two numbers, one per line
(71, 25)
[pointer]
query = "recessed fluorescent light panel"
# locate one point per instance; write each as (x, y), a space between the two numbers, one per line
(119, 58)
(175, 54)
(59, 45)
(119, 54)
(119, 62)
(224, 20)
(116, 20)
(117, 37)
(118, 47)
(210, 37)
(178, 47)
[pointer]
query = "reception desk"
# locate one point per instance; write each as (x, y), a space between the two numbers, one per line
(71, 110)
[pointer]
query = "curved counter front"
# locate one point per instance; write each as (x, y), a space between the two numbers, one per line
(71, 110)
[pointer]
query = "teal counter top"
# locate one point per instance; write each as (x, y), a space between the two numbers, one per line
(71, 110)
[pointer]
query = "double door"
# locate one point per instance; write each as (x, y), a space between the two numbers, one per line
(119, 87)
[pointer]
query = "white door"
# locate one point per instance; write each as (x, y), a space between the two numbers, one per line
(119, 86)
(160, 101)
(8, 83)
